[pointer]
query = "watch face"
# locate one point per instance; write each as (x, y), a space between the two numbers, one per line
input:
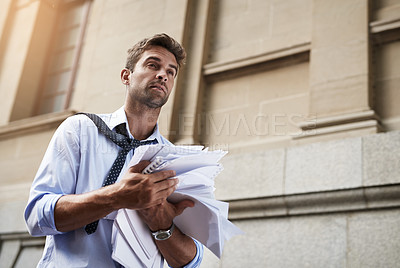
(163, 235)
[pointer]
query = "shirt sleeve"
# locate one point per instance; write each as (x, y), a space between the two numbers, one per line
(199, 256)
(55, 177)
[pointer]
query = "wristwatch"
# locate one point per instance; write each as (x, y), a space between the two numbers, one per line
(161, 235)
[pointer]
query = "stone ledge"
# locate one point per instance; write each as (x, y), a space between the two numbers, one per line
(384, 31)
(229, 66)
(385, 25)
(33, 124)
(356, 199)
(339, 123)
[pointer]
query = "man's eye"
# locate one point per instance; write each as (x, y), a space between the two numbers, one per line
(171, 73)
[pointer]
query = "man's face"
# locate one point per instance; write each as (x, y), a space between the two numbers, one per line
(151, 81)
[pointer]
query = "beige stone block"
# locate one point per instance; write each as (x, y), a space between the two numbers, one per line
(387, 78)
(386, 10)
(34, 144)
(340, 96)
(261, 172)
(324, 166)
(386, 98)
(209, 260)
(106, 81)
(228, 94)
(338, 63)
(8, 149)
(339, 67)
(278, 83)
(387, 61)
(20, 157)
(288, 242)
(12, 213)
(278, 24)
(106, 102)
(20, 170)
(371, 239)
(342, 22)
(291, 22)
(241, 127)
(284, 114)
(262, 107)
(381, 154)
(267, 125)
(235, 18)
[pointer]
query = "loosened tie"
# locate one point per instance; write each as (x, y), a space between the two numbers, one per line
(126, 144)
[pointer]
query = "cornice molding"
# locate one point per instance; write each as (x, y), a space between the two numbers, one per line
(385, 31)
(216, 68)
(339, 123)
(346, 200)
(385, 25)
(33, 124)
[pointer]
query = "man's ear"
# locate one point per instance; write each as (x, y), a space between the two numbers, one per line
(125, 76)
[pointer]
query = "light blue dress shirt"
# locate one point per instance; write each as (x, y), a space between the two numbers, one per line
(77, 160)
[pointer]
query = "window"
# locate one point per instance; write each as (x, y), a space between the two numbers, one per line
(62, 63)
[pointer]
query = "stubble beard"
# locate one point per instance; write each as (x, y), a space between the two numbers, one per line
(150, 99)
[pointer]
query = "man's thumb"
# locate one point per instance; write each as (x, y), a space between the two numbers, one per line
(182, 205)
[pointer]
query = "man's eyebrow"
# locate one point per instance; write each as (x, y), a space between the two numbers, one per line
(159, 60)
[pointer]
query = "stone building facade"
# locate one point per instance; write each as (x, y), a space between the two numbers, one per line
(304, 94)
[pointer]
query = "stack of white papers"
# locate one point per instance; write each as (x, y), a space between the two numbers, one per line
(207, 221)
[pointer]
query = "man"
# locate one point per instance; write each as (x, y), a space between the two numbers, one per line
(67, 192)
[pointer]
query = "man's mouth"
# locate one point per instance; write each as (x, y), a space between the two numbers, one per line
(159, 87)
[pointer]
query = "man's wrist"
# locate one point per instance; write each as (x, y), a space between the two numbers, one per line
(163, 234)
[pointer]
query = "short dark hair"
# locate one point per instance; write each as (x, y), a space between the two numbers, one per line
(162, 40)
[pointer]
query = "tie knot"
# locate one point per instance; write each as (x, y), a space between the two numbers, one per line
(136, 143)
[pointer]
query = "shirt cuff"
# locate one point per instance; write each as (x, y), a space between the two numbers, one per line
(199, 256)
(45, 212)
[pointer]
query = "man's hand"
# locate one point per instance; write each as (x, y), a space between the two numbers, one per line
(160, 217)
(147, 193)
(142, 191)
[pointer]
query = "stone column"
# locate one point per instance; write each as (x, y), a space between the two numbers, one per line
(188, 98)
(340, 70)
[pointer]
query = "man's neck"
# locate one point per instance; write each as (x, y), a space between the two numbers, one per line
(141, 120)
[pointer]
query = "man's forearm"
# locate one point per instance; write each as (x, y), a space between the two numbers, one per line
(75, 211)
(134, 191)
(178, 250)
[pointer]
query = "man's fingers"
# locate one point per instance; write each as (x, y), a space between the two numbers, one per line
(167, 185)
(139, 167)
(162, 175)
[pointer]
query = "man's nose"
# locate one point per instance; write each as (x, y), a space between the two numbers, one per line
(162, 75)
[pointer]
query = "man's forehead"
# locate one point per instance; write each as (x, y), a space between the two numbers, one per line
(160, 53)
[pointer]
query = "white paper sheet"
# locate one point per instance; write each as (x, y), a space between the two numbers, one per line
(207, 221)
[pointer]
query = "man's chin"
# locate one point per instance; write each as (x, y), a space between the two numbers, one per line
(155, 104)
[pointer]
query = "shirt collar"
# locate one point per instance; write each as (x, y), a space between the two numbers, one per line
(119, 117)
